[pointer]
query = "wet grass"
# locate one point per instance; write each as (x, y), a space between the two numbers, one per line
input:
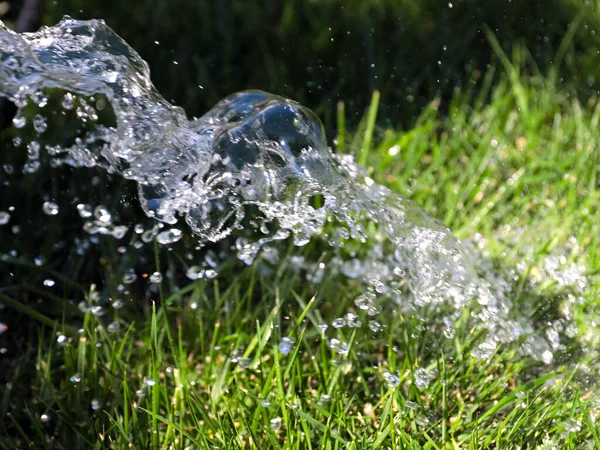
(200, 366)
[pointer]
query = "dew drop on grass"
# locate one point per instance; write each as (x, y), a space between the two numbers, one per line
(149, 381)
(49, 282)
(95, 404)
(102, 214)
(39, 261)
(117, 304)
(4, 217)
(50, 208)
(275, 424)
(113, 327)
(338, 323)
(44, 418)
(265, 404)
(391, 379)
(61, 340)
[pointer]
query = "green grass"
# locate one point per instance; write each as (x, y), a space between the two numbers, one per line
(515, 162)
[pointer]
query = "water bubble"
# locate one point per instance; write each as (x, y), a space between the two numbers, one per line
(391, 379)
(286, 345)
(50, 208)
(169, 236)
(95, 404)
(275, 424)
(4, 217)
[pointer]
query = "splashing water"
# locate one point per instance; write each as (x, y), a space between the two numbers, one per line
(255, 162)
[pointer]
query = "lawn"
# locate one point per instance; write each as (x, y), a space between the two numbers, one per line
(101, 352)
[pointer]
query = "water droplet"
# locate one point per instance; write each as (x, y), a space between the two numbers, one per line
(338, 323)
(113, 327)
(4, 217)
(75, 378)
(44, 418)
(149, 381)
(3, 327)
(84, 210)
(572, 426)
(244, 363)
(102, 214)
(117, 304)
(95, 404)
(50, 208)
(286, 345)
(194, 272)
(61, 340)
(422, 378)
(129, 278)
(49, 283)
(275, 424)
(156, 278)
(391, 379)
(39, 123)
(340, 347)
(19, 121)
(169, 236)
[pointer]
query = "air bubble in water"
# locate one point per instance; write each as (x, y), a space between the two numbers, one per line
(50, 208)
